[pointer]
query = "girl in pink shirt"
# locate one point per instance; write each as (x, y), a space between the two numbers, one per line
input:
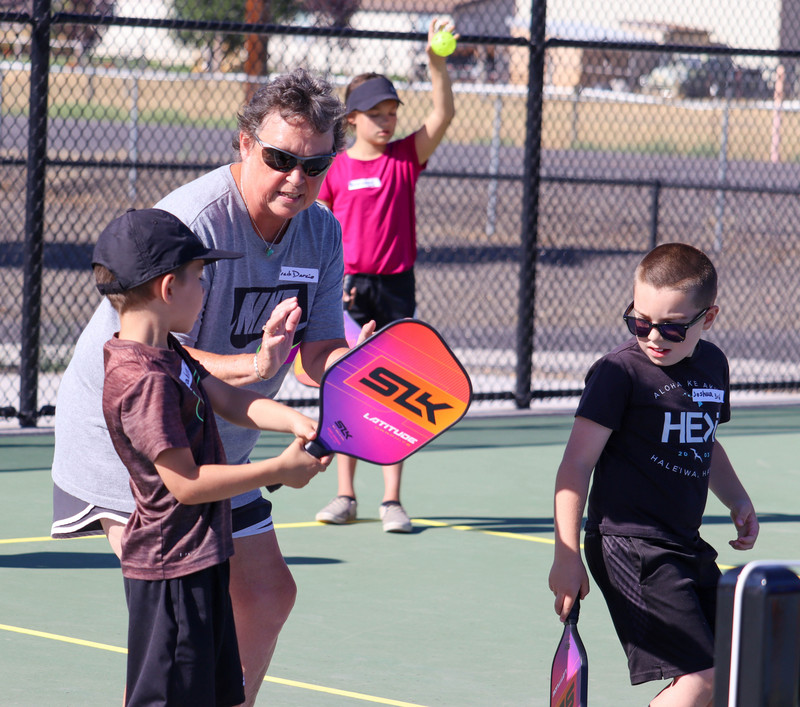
(370, 189)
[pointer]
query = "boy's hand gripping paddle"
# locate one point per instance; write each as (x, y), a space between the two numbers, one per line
(569, 677)
(391, 395)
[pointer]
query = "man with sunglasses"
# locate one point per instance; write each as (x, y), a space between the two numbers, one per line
(284, 295)
(646, 427)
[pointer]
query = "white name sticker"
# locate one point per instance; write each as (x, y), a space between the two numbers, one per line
(186, 375)
(365, 183)
(289, 274)
(708, 395)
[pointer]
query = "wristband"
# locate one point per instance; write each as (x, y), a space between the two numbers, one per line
(255, 367)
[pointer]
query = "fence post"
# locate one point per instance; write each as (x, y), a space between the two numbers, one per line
(722, 168)
(655, 195)
(133, 139)
(2, 77)
(494, 166)
(530, 205)
(34, 215)
(575, 120)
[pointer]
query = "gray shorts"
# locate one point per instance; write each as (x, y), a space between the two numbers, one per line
(74, 518)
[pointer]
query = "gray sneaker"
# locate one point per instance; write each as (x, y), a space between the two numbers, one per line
(395, 519)
(341, 509)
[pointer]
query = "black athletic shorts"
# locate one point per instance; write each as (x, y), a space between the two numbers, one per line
(384, 298)
(662, 599)
(182, 647)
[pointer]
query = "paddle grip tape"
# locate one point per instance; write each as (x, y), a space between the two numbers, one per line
(314, 449)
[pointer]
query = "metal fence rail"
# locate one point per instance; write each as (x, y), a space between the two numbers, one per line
(571, 155)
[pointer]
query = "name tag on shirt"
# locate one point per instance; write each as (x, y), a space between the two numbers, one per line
(290, 274)
(186, 375)
(365, 183)
(708, 395)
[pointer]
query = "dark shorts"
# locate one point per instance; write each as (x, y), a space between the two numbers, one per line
(662, 599)
(384, 298)
(182, 647)
(74, 518)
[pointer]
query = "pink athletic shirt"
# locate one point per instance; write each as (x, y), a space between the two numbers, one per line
(374, 202)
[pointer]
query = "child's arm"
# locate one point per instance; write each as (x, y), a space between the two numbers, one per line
(246, 408)
(192, 484)
(568, 577)
(725, 485)
(432, 131)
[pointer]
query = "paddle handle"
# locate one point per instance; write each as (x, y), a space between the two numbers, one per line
(315, 449)
(574, 612)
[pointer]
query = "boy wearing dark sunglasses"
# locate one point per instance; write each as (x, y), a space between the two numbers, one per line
(370, 189)
(646, 426)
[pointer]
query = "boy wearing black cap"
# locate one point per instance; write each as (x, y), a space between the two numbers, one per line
(370, 189)
(158, 402)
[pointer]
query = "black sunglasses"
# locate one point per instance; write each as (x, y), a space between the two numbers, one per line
(283, 161)
(671, 331)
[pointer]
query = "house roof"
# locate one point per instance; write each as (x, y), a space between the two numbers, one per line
(444, 7)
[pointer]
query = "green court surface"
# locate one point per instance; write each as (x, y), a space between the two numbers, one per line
(457, 614)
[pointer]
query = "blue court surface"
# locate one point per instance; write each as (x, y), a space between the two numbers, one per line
(457, 614)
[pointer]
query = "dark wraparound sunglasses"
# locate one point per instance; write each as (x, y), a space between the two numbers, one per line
(283, 161)
(671, 331)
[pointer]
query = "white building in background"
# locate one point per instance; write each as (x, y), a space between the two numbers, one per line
(740, 23)
(144, 43)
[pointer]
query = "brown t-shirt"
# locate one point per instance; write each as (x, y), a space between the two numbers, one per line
(153, 401)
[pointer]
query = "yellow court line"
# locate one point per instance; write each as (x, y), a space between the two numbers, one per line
(63, 639)
(300, 524)
(279, 681)
(44, 538)
(512, 536)
(47, 538)
(472, 528)
(314, 523)
(342, 693)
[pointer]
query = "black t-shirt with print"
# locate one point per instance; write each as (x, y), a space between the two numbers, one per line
(652, 477)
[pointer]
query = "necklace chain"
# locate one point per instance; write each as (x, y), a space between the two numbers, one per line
(269, 249)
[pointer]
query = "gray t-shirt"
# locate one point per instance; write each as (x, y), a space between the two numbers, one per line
(240, 295)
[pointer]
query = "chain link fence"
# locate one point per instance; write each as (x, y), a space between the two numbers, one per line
(578, 144)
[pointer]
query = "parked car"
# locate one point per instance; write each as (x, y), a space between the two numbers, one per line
(706, 76)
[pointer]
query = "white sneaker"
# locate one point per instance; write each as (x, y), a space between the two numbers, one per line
(395, 519)
(341, 509)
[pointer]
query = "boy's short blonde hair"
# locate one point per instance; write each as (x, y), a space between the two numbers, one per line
(682, 267)
(122, 301)
(137, 296)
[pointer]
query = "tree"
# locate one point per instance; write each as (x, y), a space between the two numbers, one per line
(333, 13)
(218, 45)
(82, 37)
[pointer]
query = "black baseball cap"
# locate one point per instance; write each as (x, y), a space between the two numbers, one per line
(370, 93)
(145, 243)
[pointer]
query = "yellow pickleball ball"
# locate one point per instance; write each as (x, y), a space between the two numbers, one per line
(443, 43)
